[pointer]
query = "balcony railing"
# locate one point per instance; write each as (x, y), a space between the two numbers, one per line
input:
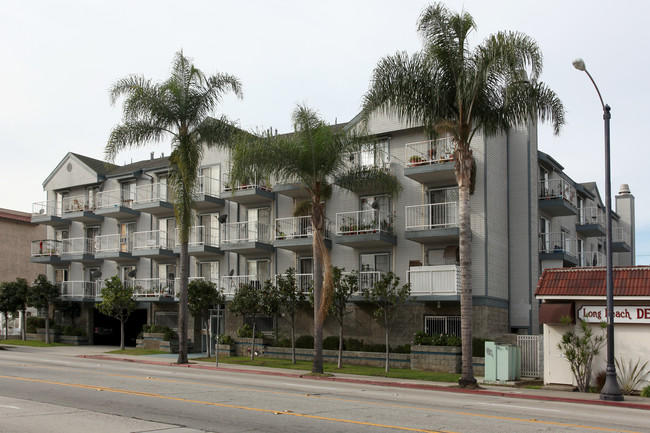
(78, 246)
(46, 208)
(152, 239)
(46, 247)
(78, 203)
(152, 287)
(365, 221)
(558, 243)
(372, 158)
(429, 152)
(252, 183)
(621, 235)
(231, 283)
(115, 198)
(558, 188)
(113, 243)
(432, 216)
(208, 186)
(304, 282)
(201, 235)
(152, 192)
(367, 279)
(592, 259)
(80, 289)
(592, 215)
(434, 280)
(240, 232)
(296, 228)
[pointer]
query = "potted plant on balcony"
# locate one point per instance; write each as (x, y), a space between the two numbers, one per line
(415, 160)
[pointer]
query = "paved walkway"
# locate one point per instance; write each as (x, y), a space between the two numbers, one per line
(100, 352)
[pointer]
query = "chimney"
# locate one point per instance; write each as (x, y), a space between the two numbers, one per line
(152, 155)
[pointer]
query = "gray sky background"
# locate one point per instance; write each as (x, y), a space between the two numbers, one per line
(61, 57)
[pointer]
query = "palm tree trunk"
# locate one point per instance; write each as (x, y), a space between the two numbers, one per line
(317, 366)
(467, 372)
(183, 310)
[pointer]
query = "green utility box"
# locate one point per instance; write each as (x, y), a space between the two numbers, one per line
(502, 362)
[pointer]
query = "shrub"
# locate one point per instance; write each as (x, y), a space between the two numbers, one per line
(630, 375)
(331, 342)
(33, 323)
(73, 331)
(406, 348)
(421, 338)
(645, 392)
(380, 348)
(478, 346)
(353, 344)
(305, 342)
(170, 334)
(225, 339)
(282, 342)
(155, 329)
(247, 332)
(600, 380)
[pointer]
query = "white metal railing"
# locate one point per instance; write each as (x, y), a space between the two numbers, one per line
(592, 215)
(152, 287)
(297, 228)
(201, 235)
(230, 283)
(558, 243)
(592, 259)
(432, 216)
(115, 198)
(80, 289)
(46, 247)
(208, 186)
(113, 243)
(254, 182)
(152, 239)
(558, 188)
(364, 221)
(434, 280)
(367, 279)
(77, 203)
(151, 192)
(304, 281)
(621, 235)
(244, 231)
(78, 246)
(46, 208)
(429, 152)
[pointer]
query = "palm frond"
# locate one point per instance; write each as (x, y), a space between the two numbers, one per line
(369, 180)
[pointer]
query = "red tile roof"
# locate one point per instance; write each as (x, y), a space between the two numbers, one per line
(26, 218)
(628, 281)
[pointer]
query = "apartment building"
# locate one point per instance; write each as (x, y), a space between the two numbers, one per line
(526, 215)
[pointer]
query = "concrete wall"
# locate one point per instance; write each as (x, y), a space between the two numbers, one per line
(15, 249)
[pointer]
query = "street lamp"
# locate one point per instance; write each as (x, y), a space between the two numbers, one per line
(611, 390)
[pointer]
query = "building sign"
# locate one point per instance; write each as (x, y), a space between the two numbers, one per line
(595, 314)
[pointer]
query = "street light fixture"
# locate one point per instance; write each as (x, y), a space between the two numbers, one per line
(611, 390)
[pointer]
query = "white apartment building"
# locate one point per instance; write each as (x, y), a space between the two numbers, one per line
(526, 215)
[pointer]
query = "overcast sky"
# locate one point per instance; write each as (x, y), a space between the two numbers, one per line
(61, 57)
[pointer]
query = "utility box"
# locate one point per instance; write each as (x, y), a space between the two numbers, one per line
(502, 362)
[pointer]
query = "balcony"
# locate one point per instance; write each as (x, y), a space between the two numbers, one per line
(246, 237)
(558, 246)
(80, 289)
(295, 234)
(116, 204)
(153, 288)
(432, 223)
(293, 188)
(305, 282)
(431, 162)
(592, 222)
(621, 240)
(592, 259)
(79, 208)
(365, 229)
(79, 250)
(115, 248)
(203, 242)
(48, 213)
(47, 251)
(208, 194)
(255, 192)
(558, 198)
(231, 283)
(153, 198)
(154, 244)
(434, 283)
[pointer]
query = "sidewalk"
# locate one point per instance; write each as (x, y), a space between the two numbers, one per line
(99, 352)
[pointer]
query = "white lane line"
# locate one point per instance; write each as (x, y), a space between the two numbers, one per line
(309, 386)
(518, 407)
(9, 407)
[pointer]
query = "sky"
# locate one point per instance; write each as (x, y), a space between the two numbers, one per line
(61, 57)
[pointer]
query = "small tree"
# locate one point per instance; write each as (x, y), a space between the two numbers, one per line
(248, 303)
(201, 296)
(388, 297)
(16, 294)
(7, 303)
(579, 345)
(290, 298)
(41, 296)
(118, 303)
(344, 288)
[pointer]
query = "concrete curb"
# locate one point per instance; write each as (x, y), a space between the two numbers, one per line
(486, 392)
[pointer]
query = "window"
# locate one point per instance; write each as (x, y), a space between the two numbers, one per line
(373, 268)
(209, 271)
(209, 180)
(128, 193)
(167, 229)
(544, 179)
(435, 325)
(60, 275)
(259, 268)
(544, 235)
(124, 272)
(305, 273)
(443, 207)
(208, 231)
(375, 154)
(91, 198)
(162, 180)
(126, 236)
(258, 225)
(91, 238)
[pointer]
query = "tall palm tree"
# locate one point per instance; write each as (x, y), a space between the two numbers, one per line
(179, 108)
(318, 156)
(452, 89)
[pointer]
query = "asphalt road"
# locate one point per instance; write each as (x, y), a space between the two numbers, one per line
(48, 392)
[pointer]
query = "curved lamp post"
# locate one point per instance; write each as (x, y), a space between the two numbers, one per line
(611, 390)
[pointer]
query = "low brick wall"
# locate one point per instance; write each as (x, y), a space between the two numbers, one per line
(225, 350)
(154, 341)
(243, 346)
(436, 358)
(371, 359)
(74, 340)
(479, 366)
(40, 335)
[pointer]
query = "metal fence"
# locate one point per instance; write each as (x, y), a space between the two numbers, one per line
(530, 355)
(434, 325)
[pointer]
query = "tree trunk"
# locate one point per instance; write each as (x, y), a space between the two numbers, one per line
(208, 334)
(387, 349)
(293, 339)
(47, 323)
(121, 334)
(339, 364)
(317, 365)
(183, 309)
(253, 346)
(22, 325)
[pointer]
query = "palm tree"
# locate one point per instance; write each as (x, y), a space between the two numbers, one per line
(452, 89)
(179, 108)
(318, 156)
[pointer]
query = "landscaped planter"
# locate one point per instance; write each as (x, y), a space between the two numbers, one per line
(75, 340)
(372, 359)
(226, 349)
(436, 358)
(54, 335)
(243, 345)
(150, 340)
